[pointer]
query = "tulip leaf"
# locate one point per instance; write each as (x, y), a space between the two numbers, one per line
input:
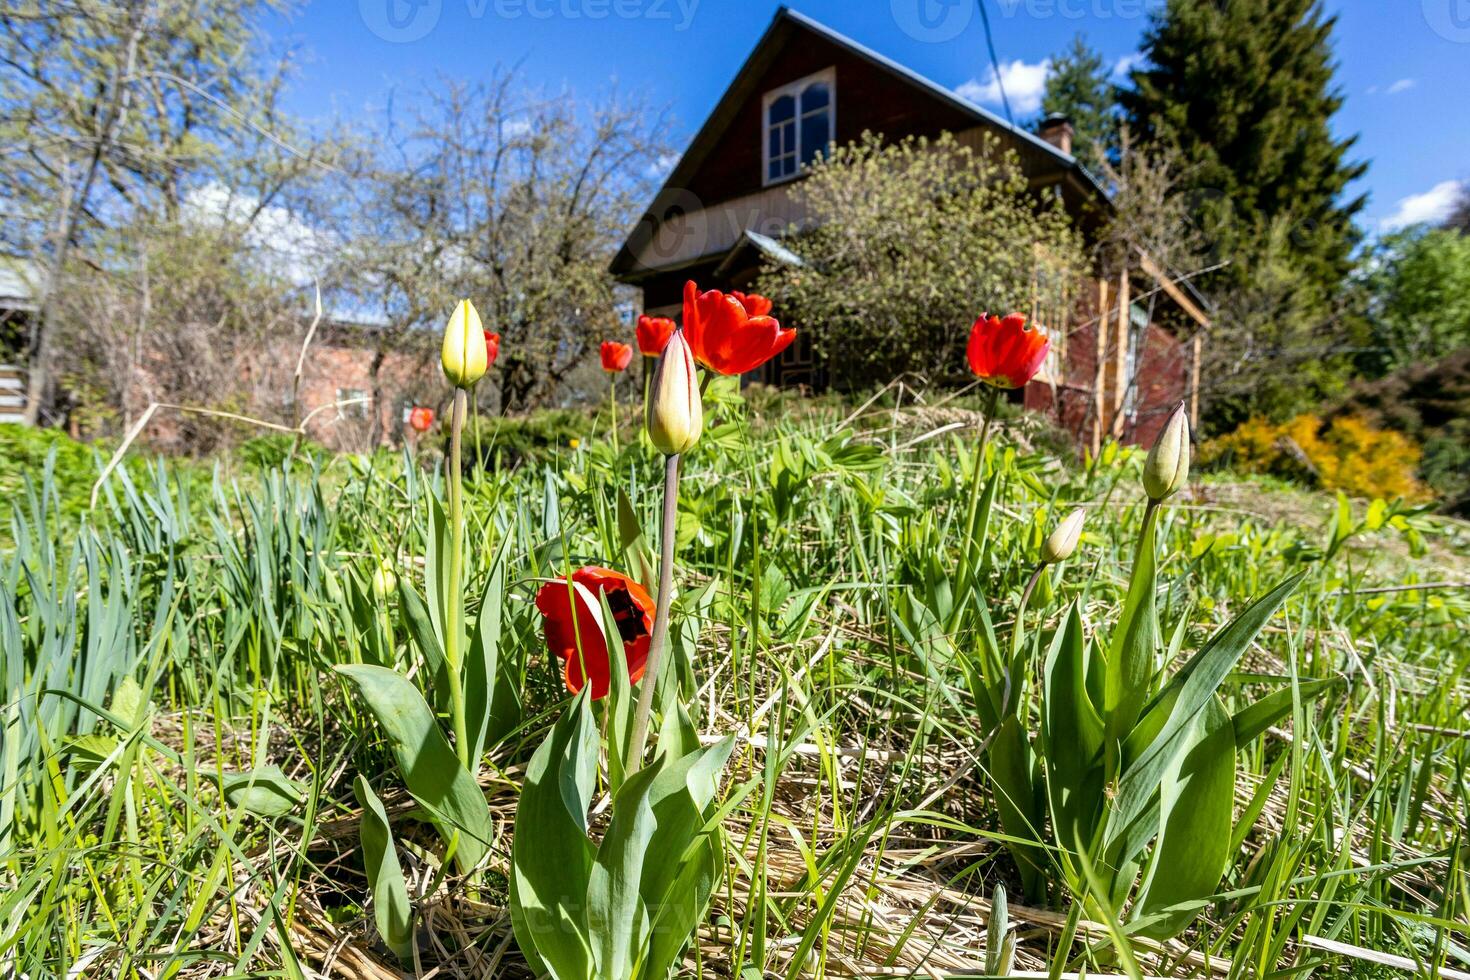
(492, 695)
(425, 636)
(551, 859)
(1254, 719)
(264, 791)
(1018, 800)
(1072, 737)
(634, 545)
(392, 911)
(1196, 801)
(430, 769)
(1191, 688)
(1134, 642)
(677, 890)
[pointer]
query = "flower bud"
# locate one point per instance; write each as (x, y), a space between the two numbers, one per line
(675, 413)
(465, 355)
(1167, 466)
(385, 581)
(1063, 541)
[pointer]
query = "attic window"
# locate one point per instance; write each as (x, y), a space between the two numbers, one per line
(799, 123)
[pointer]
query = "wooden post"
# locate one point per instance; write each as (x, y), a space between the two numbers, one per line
(1194, 382)
(1120, 369)
(1100, 377)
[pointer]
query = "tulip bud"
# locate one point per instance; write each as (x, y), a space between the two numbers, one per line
(465, 355)
(675, 413)
(1167, 466)
(384, 580)
(1063, 541)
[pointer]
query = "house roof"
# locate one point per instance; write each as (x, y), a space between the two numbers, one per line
(19, 283)
(785, 24)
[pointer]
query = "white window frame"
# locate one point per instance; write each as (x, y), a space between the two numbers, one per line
(794, 89)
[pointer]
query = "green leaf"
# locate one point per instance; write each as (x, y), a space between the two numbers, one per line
(391, 908)
(634, 545)
(1135, 641)
(264, 791)
(615, 913)
(1196, 803)
(551, 857)
(1072, 737)
(677, 891)
(1191, 688)
(1251, 721)
(1019, 800)
(492, 695)
(429, 767)
(426, 637)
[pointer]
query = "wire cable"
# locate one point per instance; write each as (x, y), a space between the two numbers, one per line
(995, 62)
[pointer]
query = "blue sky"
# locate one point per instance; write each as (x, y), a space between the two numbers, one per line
(1404, 64)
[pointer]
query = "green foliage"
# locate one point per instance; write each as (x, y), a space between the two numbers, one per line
(905, 243)
(1244, 92)
(1079, 87)
(1416, 286)
(1245, 89)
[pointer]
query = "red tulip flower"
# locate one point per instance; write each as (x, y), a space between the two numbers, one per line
(615, 356)
(754, 303)
(492, 349)
(421, 419)
(1003, 352)
(725, 336)
(632, 610)
(653, 334)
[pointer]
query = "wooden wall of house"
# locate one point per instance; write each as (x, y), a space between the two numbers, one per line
(1089, 399)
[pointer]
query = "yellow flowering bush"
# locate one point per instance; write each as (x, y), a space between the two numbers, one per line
(1346, 453)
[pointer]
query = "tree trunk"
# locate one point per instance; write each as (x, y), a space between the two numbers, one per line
(38, 358)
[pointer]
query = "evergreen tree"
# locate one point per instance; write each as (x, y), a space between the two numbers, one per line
(1078, 88)
(1244, 89)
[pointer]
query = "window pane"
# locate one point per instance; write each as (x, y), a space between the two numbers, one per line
(782, 109)
(816, 132)
(816, 96)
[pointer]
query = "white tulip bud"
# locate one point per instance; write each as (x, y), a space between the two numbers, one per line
(385, 580)
(1063, 540)
(465, 355)
(1167, 466)
(675, 413)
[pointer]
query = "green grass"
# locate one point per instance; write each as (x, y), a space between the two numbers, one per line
(185, 631)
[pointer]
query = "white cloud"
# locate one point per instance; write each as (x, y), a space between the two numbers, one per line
(281, 241)
(1127, 63)
(1402, 85)
(1024, 84)
(515, 128)
(665, 163)
(1432, 207)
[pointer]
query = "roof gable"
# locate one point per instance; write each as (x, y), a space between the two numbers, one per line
(703, 177)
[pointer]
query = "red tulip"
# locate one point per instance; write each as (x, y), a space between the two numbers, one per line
(492, 349)
(723, 334)
(421, 419)
(615, 356)
(653, 334)
(632, 610)
(754, 303)
(1003, 352)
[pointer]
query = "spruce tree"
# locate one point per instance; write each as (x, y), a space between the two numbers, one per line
(1244, 89)
(1078, 88)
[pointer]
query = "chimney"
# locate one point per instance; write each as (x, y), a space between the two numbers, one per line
(1056, 129)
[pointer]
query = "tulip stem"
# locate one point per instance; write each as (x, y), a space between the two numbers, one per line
(977, 477)
(639, 740)
(455, 627)
(612, 399)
